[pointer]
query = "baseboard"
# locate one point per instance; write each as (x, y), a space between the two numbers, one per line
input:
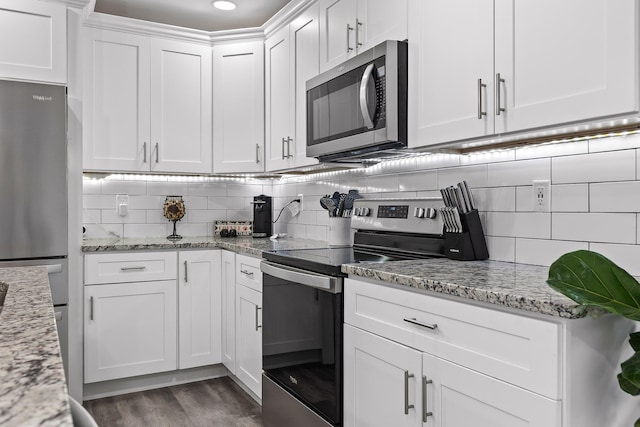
(245, 388)
(149, 382)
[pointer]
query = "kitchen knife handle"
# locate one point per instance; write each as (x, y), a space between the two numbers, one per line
(480, 87)
(186, 276)
(91, 308)
(413, 321)
(144, 152)
(472, 204)
(407, 406)
(349, 48)
(499, 80)
(425, 412)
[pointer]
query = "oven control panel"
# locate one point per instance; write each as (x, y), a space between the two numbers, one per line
(393, 211)
(411, 215)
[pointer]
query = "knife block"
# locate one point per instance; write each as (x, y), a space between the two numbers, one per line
(470, 244)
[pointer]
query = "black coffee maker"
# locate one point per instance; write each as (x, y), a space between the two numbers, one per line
(262, 208)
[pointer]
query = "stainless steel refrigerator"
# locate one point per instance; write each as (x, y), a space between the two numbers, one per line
(33, 185)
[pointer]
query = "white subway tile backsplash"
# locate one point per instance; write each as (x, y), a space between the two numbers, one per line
(519, 224)
(475, 175)
(521, 172)
(382, 184)
(195, 202)
(146, 202)
(246, 190)
(418, 181)
(133, 217)
(239, 215)
(552, 150)
(594, 227)
(104, 230)
(524, 199)
(145, 230)
(188, 229)
(167, 188)
(615, 197)
(219, 203)
(91, 186)
(597, 167)
(625, 256)
(570, 198)
(124, 187)
(316, 232)
(614, 143)
(97, 201)
(437, 161)
(501, 199)
(501, 248)
(206, 189)
(91, 216)
(544, 252)
(488, 157)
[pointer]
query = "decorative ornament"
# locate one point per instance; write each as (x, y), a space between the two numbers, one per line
(174, 210)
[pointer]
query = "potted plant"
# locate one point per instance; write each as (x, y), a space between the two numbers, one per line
(591, 279)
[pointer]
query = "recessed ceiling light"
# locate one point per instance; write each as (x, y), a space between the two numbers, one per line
(223, 5)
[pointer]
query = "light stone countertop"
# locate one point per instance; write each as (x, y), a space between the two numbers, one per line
(517, 286)
(33, 389)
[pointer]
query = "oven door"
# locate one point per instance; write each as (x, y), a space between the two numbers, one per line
(302, 341)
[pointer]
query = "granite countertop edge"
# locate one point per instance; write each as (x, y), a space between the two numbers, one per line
(441, 276)
(33, 388)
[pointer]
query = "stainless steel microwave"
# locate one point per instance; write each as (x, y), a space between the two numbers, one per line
(358, 110)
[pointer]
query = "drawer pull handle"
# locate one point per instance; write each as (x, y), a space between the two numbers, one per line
(425, 412)
(91, 308)
(186, 276)
(413, 321)
(407, 375)
(140, 268)
(247, 273)
(257, 325)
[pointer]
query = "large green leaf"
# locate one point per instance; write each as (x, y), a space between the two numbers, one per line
(634, 341)
(589, 278)
(629, 378)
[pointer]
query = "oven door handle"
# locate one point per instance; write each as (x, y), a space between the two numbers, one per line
(303, 277)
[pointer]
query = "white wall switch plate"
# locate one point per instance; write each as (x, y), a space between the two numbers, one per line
(542, 195)
(122, 204)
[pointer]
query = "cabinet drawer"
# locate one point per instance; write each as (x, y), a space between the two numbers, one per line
(129, 267)
(516, 349)
(248, 272)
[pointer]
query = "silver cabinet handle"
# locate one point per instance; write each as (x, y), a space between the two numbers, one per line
(257, 153)
(480, 87)
(186, 277)
(283, 141)
(358, 25)
(139, 268)
(289, 141)
(257, 310)
(144, 152)
(364, 108)
(247, 273)
(407, 375)
(425, 410)
(91, 308)
(413, 321)
(499, 108)
(349, 28)
(157, 152)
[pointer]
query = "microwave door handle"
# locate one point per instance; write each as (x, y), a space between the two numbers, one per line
(366, 77)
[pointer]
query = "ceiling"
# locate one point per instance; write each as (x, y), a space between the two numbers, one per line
(195, 14)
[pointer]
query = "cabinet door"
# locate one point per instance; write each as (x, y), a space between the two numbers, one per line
(229, 310)
(130, 329)
(450, 49)
(34, 35)
(458, 396)
(238, 107)
(199, 320)
(305, 54)
(565, 61)
(278, 96)
(116, 102)
(380, 20)
(180, 107)
(382, 381)
(249, 338)
(337, 31)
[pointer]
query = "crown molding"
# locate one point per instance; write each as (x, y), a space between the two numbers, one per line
(285, 15)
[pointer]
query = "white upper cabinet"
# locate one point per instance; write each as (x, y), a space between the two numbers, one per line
(147, 104)
(34, 41)
(238, 107)
(180, 107)
(348, 27)
(291, 59)
(485, 67)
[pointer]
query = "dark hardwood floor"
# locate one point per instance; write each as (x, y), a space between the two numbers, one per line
(217, 402)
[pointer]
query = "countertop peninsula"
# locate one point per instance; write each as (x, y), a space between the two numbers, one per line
(505, 284)
(33, 389)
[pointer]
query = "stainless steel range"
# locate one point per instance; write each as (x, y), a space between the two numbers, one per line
(303, 307)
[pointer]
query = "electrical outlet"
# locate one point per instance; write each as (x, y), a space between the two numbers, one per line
(301, 198)
(122, 204)
(542, 195)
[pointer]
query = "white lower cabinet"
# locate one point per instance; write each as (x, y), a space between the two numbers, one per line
(249, 338)
(130, 329)
(229, 310)
(199, 303)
